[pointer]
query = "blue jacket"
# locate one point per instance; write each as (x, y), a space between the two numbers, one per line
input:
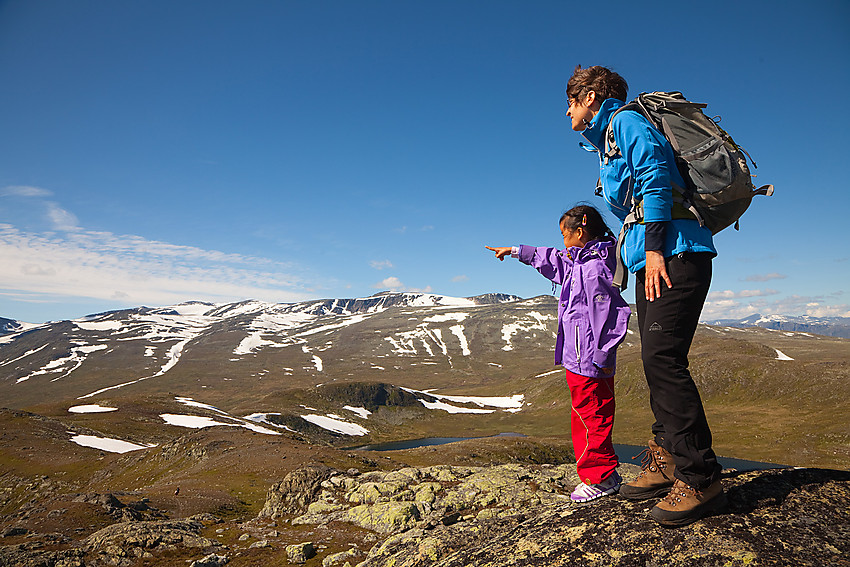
(646, 167)
(592, 315)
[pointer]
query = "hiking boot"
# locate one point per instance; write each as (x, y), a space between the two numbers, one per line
(685, 504)
(587, 492)
(655, 478)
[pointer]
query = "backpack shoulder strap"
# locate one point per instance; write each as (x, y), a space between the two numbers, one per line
(611, 150)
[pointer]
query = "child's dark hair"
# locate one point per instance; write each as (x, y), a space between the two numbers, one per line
(588, 218)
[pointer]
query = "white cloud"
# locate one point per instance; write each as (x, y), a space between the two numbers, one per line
(460, 278)
(828, 310)
(136, 271)
(392, 283)
(381, 264)
(730, 305)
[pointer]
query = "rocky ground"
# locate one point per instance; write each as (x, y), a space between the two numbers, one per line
(491, 504)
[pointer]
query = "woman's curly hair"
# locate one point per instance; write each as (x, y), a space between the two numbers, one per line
(603, 81)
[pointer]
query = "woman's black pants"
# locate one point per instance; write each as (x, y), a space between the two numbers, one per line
(667, 327)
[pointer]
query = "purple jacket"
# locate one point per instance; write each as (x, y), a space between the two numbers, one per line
(592, 316)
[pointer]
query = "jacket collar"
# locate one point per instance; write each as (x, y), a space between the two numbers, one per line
(598, 247)
(595, 133)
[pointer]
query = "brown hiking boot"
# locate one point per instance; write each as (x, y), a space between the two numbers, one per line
(655, 478)
(685, 504)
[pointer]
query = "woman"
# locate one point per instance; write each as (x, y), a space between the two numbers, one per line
(671, 259)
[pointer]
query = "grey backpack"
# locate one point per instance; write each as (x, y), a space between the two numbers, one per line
(718, 185)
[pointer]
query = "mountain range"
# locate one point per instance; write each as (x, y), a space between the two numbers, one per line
(829, 326)
(405, 365)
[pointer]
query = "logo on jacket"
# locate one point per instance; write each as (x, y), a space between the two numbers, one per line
(655, 327)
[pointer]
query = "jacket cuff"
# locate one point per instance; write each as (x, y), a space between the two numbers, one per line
(525, 254)
(654, 233)
(605, 359)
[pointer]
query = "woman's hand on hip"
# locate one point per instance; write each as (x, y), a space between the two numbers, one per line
(655, 272)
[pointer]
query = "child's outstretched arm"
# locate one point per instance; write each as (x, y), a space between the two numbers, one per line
(552, 263)
(500, 251)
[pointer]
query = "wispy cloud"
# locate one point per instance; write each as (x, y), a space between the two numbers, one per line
(764, 277)
(24, 191)
(460, 278)
(60, 218)
(729, 294)
(381, 264)
(135, 270)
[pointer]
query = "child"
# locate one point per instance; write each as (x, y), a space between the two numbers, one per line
(592, 321)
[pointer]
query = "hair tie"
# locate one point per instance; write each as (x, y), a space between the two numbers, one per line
(584, 220)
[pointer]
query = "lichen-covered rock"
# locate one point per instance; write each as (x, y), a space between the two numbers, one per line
(797, 517)
(388, 502)
(384, 517)
(300, 552)
(335, 559)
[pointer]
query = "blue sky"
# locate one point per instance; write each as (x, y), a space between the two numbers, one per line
(156, 152)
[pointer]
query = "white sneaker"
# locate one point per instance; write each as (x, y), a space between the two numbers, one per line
(587, 492)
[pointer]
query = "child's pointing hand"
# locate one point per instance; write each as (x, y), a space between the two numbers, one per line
(501, 252)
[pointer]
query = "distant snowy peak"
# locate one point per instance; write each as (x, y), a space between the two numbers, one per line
(10, 326)
(829, 326)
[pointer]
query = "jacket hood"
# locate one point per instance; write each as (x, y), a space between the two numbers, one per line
(595, 133)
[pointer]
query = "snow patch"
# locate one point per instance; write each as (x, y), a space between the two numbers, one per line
(548, 373)
(781, 355)
(438, 405)
(533, 321)
(264, 418)
(457, 331)
(99, 325)
(251, 343)
(199, 422)
(362, 412)
(336, 425)
(90, 408)
(107, 444)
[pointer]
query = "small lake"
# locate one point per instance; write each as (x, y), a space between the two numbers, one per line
(624, 452)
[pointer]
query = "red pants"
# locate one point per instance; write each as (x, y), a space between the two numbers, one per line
(592, 422)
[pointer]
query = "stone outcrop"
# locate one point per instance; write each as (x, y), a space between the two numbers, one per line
(295, 491)
(137, 510)
(31, 555)
(520, 515)
(124, 543)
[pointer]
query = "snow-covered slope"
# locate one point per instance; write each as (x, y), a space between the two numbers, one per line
(111, 351)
